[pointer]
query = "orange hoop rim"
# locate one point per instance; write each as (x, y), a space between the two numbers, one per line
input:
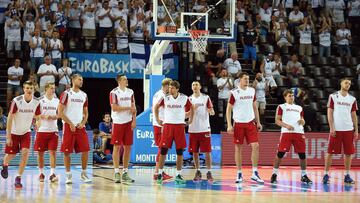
(196, 33)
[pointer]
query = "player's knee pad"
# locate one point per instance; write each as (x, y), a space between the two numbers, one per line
(179, 152)
(302, 156)
(280, 155)
(163, 151)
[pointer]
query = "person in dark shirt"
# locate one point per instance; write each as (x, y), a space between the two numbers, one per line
(214, 65)
(105, 132)
(3, 119)
(98, 154)
(248, 40)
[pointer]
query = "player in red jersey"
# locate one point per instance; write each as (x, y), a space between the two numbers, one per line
(242, 103)
(343, 125)
(157, 127)
(290, 117)
(73, 110)
(200, 131)
(175, 105)
(22, 111)
(123, 113)
(47, 134)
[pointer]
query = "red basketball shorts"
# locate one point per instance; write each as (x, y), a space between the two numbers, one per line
(46, 141)
(18, 142)
(200, 141)
(173, 132)
(295, 139)
(343, 139)
(122, 134)
(74, 141)
(246, 131)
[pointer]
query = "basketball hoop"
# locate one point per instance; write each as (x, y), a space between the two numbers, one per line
(199, 40)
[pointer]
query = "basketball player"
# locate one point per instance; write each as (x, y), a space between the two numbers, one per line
(157, 127)
(123, 113)
(343, 125)
(242, 103)
(290, 117)
(199, 130)
(73, 110)
(22, 111)
(47, 134)
(175, 105)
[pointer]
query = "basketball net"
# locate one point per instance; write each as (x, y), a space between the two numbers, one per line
(199, 40)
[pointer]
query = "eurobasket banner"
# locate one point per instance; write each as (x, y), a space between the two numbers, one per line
(93, 65)
(75, 158)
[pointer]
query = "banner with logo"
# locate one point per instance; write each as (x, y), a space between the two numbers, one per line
(93, 65)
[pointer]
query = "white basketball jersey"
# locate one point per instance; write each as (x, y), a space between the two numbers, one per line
(242, 101)
(24, 114)
(291, 114)
(201, 121)
(124, 99)
(49, 108)
(175, 108)
(156, 98)
(74, 103)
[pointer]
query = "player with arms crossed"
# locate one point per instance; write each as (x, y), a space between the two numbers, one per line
(290, 117)
(47, 134)
(22, 111)
(343, 125)
(123, 113)
(157, 127)
(73, 110)
(242, 103)
(175, 107)
(200, 131)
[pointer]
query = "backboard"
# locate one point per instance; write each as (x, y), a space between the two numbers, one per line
(172, 19)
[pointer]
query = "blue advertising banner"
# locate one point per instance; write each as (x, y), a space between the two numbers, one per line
(91, 65)
(75, 158)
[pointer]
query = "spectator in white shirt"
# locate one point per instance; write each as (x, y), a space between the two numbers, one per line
(277, 66)
(105, 25)
(14, 26)
(325, 39)
(266, 68)
(137, 22)
(15, 74)
(37, 51)
(56, 47)
(358, 73)
(119, 13)
(122, 36)
(232, 65)
(47, 73)
(296, 18)
(265, 12)
(283, 37)
(45, 14)
(74, 24)
(88, 26)
(337, 11)
(305, 30)
(240, 16)
(261, 87)
(354, 14)
(343, 36)
(64, 77)
(29, 28)
(224, 85)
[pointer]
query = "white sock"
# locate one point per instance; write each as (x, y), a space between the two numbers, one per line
(41, 170)
(239, 171)
(18, 175)
(254, 169)
(68, 173)
(276, 171)
(209, 170)
(347, 172)
(116, 170)
(161, 171)
(83, 171)
(125, 170)
(303, 172)
(178, 172)
(52, 171)
(326, 173)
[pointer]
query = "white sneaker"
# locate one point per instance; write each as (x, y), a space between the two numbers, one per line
(68, 179)
(239, 178)
(85, 178)
(255, 177)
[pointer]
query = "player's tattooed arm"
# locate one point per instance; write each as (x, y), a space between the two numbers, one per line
(355, 123)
